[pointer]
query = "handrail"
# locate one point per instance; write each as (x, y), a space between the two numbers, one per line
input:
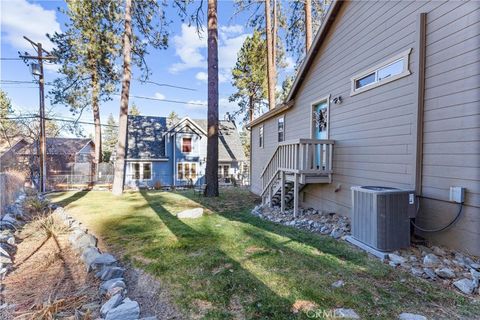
(313, 156)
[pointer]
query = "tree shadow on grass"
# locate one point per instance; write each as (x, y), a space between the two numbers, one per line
(198, 262)
(74, 197)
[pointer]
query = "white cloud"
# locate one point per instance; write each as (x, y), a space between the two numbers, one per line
(232, 29)
(192, 51)
(290, 64)
(228, 50)
(202, 76)
(187, 47)
(20, 18)
(160, 96)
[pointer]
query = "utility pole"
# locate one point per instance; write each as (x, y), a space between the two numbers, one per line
(41, 85)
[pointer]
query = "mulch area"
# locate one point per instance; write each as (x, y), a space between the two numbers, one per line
(48, 279)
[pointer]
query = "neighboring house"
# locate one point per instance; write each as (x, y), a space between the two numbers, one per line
(388, 95)
(68, 159)
(159, 155)
(8, 155)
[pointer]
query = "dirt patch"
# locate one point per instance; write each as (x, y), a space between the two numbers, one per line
(303, 306)
(153, 297)
(47, 279)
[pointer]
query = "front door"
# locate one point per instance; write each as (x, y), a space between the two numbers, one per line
(320, 131)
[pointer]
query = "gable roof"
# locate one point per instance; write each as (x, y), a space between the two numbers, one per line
(187, 122)
(230, 146)
(306, 64)
(146, 137)
(58, 146)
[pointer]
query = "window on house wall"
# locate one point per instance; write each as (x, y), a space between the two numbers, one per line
(260, 137)
(392, 69)
(186, 170)
(186, 145)
(281, 129)
(141, 170)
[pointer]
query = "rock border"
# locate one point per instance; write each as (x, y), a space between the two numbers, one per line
(106, 267)
(454, 269)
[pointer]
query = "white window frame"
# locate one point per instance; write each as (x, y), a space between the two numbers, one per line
(404, 55)
(185, 178)
(261, 134)
(141, 164)
(191, 144)
(278, 131)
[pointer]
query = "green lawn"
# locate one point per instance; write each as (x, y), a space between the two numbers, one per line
(232, 265)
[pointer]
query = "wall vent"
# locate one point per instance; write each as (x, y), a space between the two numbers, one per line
(381, 216)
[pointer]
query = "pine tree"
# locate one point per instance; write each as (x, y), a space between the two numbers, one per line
(211, 171)
(144, 24)
(134, 111)
(172, 118)
(249, 76)
(110, 138)
(87, 51)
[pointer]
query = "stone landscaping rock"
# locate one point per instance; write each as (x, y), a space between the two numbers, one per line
(112, 284)
(345, 313)
(190, 213)
(109, 273)
(430, 260)
(336, 233)
(465, 285)
(475, 274)
(396, 259)
(85, 240)
(475, 266)
(338, 284)
(128, 310)
(5, 260)
(110, 304)
(411, 316)
(445, 273)
(430, 273)
(89, 255)
(416, 272)
(103, 260)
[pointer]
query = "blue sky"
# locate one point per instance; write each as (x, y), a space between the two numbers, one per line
(183, 63)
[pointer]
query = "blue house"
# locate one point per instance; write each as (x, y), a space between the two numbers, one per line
(161, 155)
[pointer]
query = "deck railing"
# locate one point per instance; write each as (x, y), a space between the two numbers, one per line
(301, 156)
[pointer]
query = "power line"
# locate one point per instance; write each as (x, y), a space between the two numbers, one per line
(55, 119)
(11, 58)
(171, 101)
(165, 85)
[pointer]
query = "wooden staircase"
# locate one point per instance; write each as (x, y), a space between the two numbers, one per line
(293, 165)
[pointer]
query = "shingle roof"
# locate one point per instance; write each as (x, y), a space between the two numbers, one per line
(229, 143)
(58, 146)
(146, 137)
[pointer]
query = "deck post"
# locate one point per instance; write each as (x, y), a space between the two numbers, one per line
(295, 195)
(282, 191)
(270, 196)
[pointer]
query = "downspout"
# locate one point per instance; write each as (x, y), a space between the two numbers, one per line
(420, 96)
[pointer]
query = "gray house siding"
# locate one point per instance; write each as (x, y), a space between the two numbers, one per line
(374, 130)
(451, 124)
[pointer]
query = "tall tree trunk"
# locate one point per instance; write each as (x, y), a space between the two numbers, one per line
(250, 108)
(274, 37)
(270, 62)
(119, 174)
(211, 171)
(96, 120)
(308, 25)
